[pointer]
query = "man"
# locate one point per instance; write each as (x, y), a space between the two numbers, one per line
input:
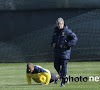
(62, 41)
(40, 75)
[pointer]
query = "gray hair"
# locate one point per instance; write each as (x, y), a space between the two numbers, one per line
(29, 64)
(59, 20)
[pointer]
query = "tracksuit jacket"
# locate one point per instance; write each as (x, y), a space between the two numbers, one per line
(63, 38)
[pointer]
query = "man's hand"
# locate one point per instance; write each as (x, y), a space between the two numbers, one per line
(54, 45)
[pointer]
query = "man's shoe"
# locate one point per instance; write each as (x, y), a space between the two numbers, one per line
(62, 85)
(56, 81)
(63, 82)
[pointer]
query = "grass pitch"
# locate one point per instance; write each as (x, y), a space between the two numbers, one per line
(13, 76)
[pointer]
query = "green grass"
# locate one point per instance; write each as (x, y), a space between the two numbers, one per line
(13, 76)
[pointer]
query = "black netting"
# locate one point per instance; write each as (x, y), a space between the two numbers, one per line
(47, 4)
(87, 27)
(26, 35)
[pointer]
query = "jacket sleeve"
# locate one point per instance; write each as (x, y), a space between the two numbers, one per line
(53, 37)
(72, 39)
(47, 75)
(28, 79)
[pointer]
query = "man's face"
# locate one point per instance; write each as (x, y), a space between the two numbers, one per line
(31, 68)
(60, 25)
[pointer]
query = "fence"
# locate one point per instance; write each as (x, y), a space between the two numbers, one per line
(25, 35)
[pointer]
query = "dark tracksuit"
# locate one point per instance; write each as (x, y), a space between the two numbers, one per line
(64, 40)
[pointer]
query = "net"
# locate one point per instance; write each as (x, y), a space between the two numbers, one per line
(86, 25)
(47, 4)
(25, 35)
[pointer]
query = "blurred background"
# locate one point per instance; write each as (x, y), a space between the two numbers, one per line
(26, 28)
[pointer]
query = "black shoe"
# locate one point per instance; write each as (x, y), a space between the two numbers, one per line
(55, 81)
(62, 85)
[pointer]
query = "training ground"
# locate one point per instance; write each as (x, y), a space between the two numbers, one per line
(13, 76)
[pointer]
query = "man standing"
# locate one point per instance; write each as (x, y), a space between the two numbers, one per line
(62, 41)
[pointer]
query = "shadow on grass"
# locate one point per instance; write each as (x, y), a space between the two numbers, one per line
(22, 85)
